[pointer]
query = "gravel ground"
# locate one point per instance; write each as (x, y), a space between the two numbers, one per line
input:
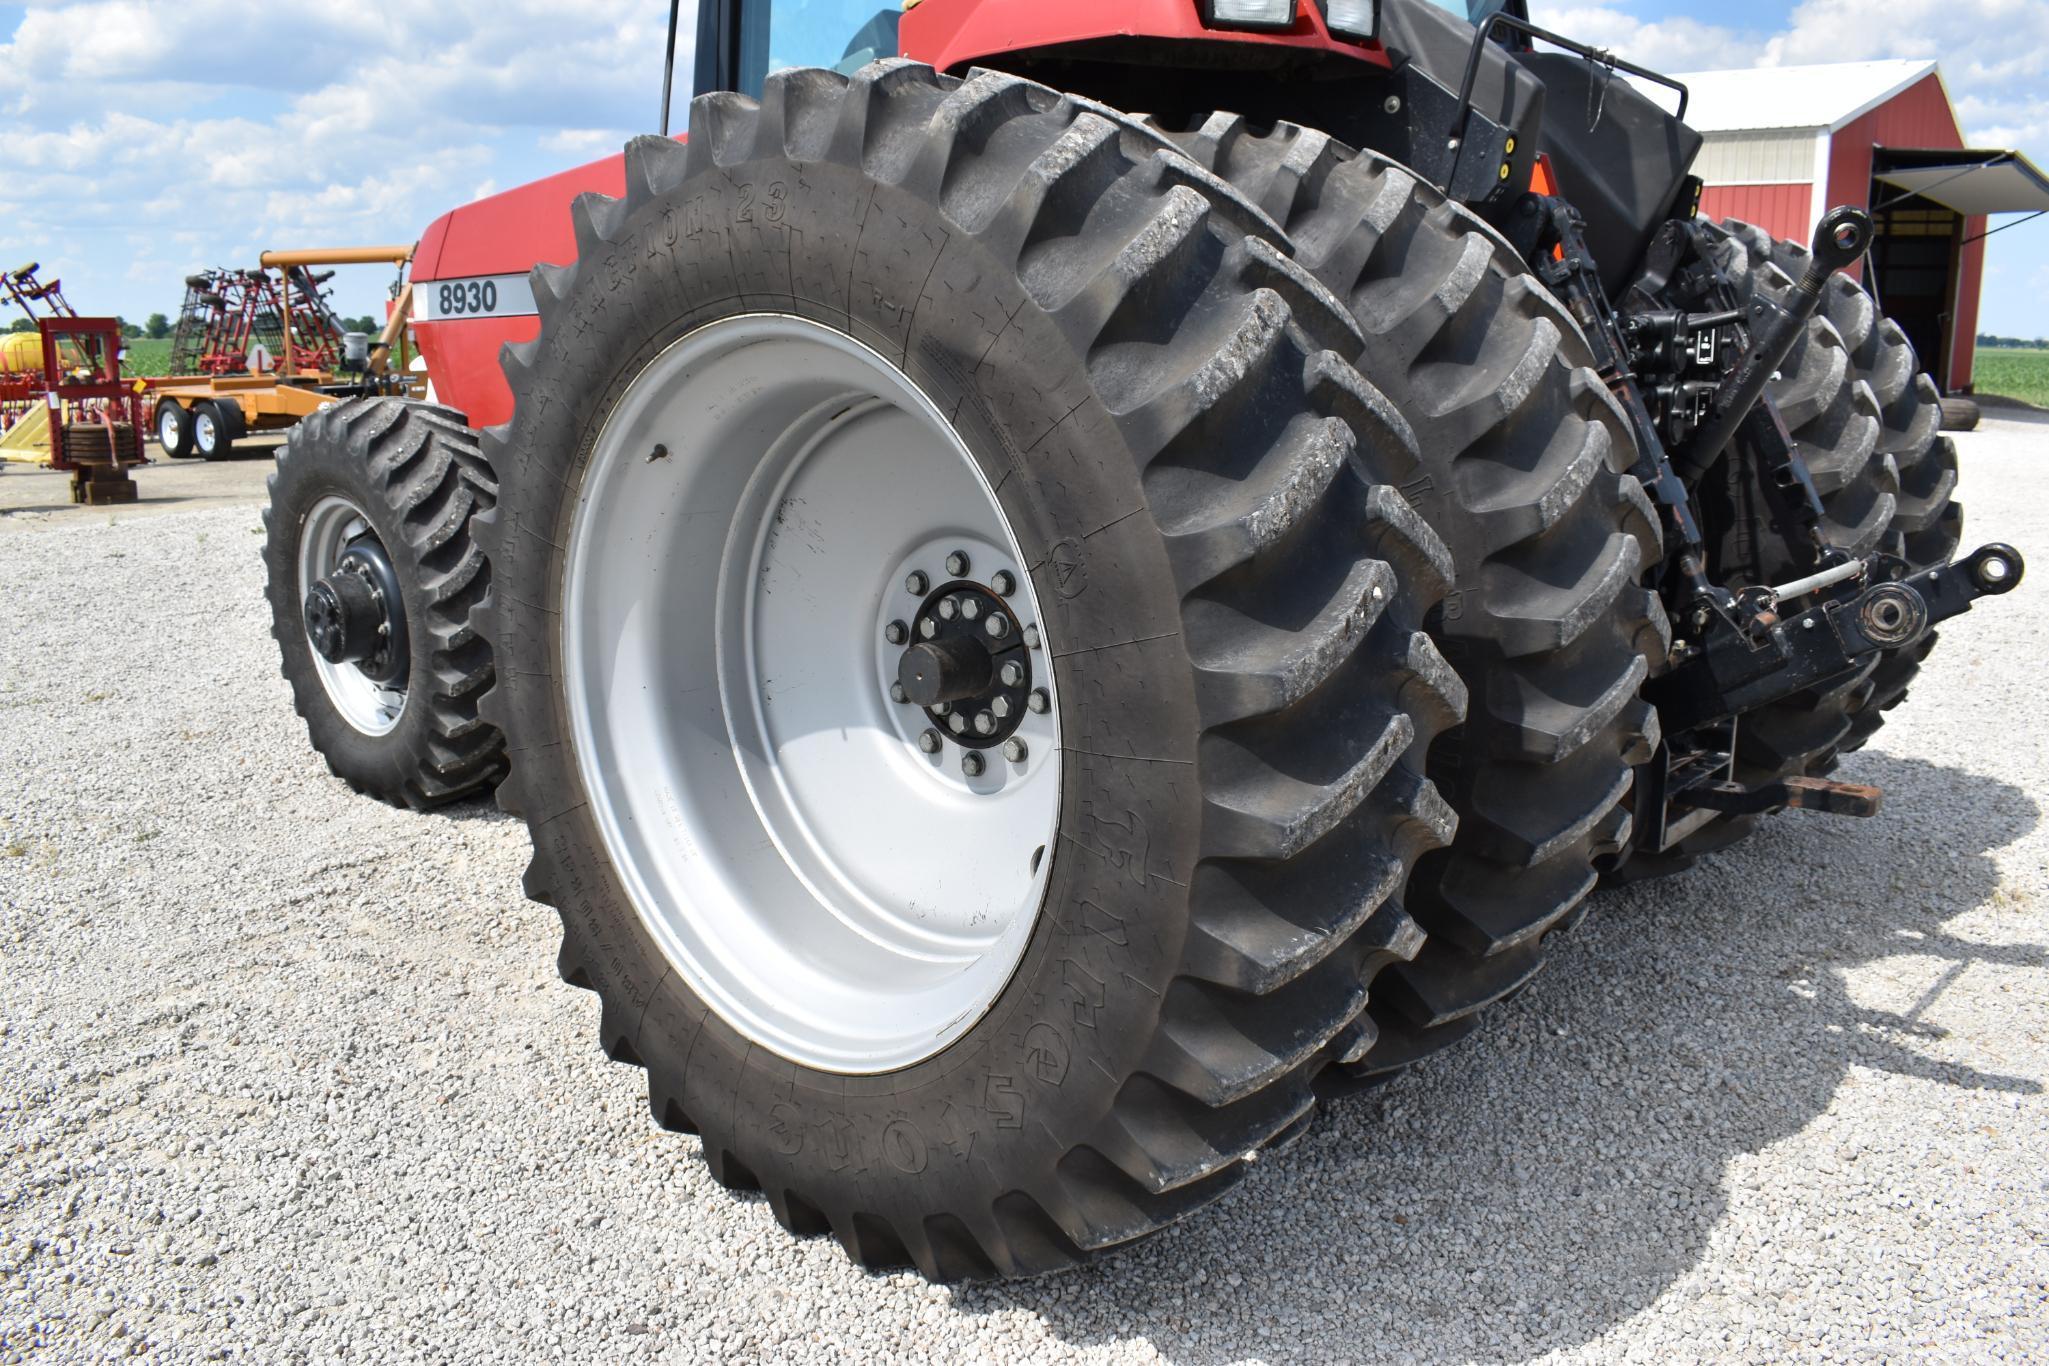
(286, 1075)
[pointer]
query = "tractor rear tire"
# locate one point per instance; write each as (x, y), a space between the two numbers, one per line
(1203, 499)
(1525, 460)
(1866, 422)
(407, 476)
(174, 429)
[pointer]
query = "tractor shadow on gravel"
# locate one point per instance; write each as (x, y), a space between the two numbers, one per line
(1552, 1177)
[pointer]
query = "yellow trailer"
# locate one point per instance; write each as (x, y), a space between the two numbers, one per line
(205, 415)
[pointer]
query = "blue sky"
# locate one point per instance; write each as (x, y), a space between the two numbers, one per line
(178, 134)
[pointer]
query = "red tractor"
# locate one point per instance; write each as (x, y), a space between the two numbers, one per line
(1036, 643)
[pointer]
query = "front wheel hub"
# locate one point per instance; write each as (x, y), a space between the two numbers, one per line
(354, 616)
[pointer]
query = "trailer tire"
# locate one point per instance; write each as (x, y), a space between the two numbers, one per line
(214, 429)
(173, 423)
(1203, 496)
(1525, 474)
(414, 476)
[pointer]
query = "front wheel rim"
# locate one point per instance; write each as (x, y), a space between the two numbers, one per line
(167, 429)
(331, 526)
(771, 516)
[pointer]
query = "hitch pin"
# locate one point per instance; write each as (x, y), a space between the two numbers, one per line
(1823, 578)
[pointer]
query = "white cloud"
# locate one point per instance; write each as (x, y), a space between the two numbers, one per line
(154, 151)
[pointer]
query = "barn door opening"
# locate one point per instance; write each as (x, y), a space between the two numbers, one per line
(1914, 268)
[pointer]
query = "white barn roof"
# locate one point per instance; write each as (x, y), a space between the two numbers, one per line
(1823, 98)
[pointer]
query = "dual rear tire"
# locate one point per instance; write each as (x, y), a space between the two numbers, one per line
(1197, 497)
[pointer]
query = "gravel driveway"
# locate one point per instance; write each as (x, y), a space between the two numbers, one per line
(286, 1075)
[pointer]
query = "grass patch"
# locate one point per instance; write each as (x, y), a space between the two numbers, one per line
(2013, 373)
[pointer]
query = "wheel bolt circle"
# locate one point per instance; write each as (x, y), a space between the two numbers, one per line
(930, 740)
(917, 584)
(972, 764)
(1039, 701)
(1014, 750)
(896, 633)
(957, 564)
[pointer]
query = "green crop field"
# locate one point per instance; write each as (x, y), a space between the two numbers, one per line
(146, 357)
(2015, 373)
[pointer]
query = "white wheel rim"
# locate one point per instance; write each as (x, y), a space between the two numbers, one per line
(367, 705)
(203, 430)
(167, 429)
(835, 893)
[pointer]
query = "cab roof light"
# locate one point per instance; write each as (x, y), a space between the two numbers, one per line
(1353, 18)
(1266, 14)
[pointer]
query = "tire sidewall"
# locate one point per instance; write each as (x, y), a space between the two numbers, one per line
(1041, 1069)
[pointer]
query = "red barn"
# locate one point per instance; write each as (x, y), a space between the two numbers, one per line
(1786, 143)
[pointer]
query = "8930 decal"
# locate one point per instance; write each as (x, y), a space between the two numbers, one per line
(477, 296)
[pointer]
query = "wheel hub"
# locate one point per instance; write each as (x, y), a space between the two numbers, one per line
(967, 664)
(349, 616)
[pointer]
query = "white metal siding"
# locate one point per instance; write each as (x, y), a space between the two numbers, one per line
(1769, 157)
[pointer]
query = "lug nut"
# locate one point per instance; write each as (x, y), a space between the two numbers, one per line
(998, 625)
(1004, 582)
(970, 608)
(930, 741)
(897, 693)
(957, 564)
(972, 764)
(957, 723)
(1014, 750)
(1000, 708)
(984, 723)
(942, 707)
(1039, 701)
(1031, 637)
(1012, 674)
(896, 633)
(917, 584)
(927, 627)
(948, 608)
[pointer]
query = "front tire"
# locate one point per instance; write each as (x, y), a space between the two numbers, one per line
(400, 480)
(1230, 593)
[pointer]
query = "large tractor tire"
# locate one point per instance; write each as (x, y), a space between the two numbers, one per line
(1524, 460)
(1867, 424)
(963, 635)
(371, 577)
